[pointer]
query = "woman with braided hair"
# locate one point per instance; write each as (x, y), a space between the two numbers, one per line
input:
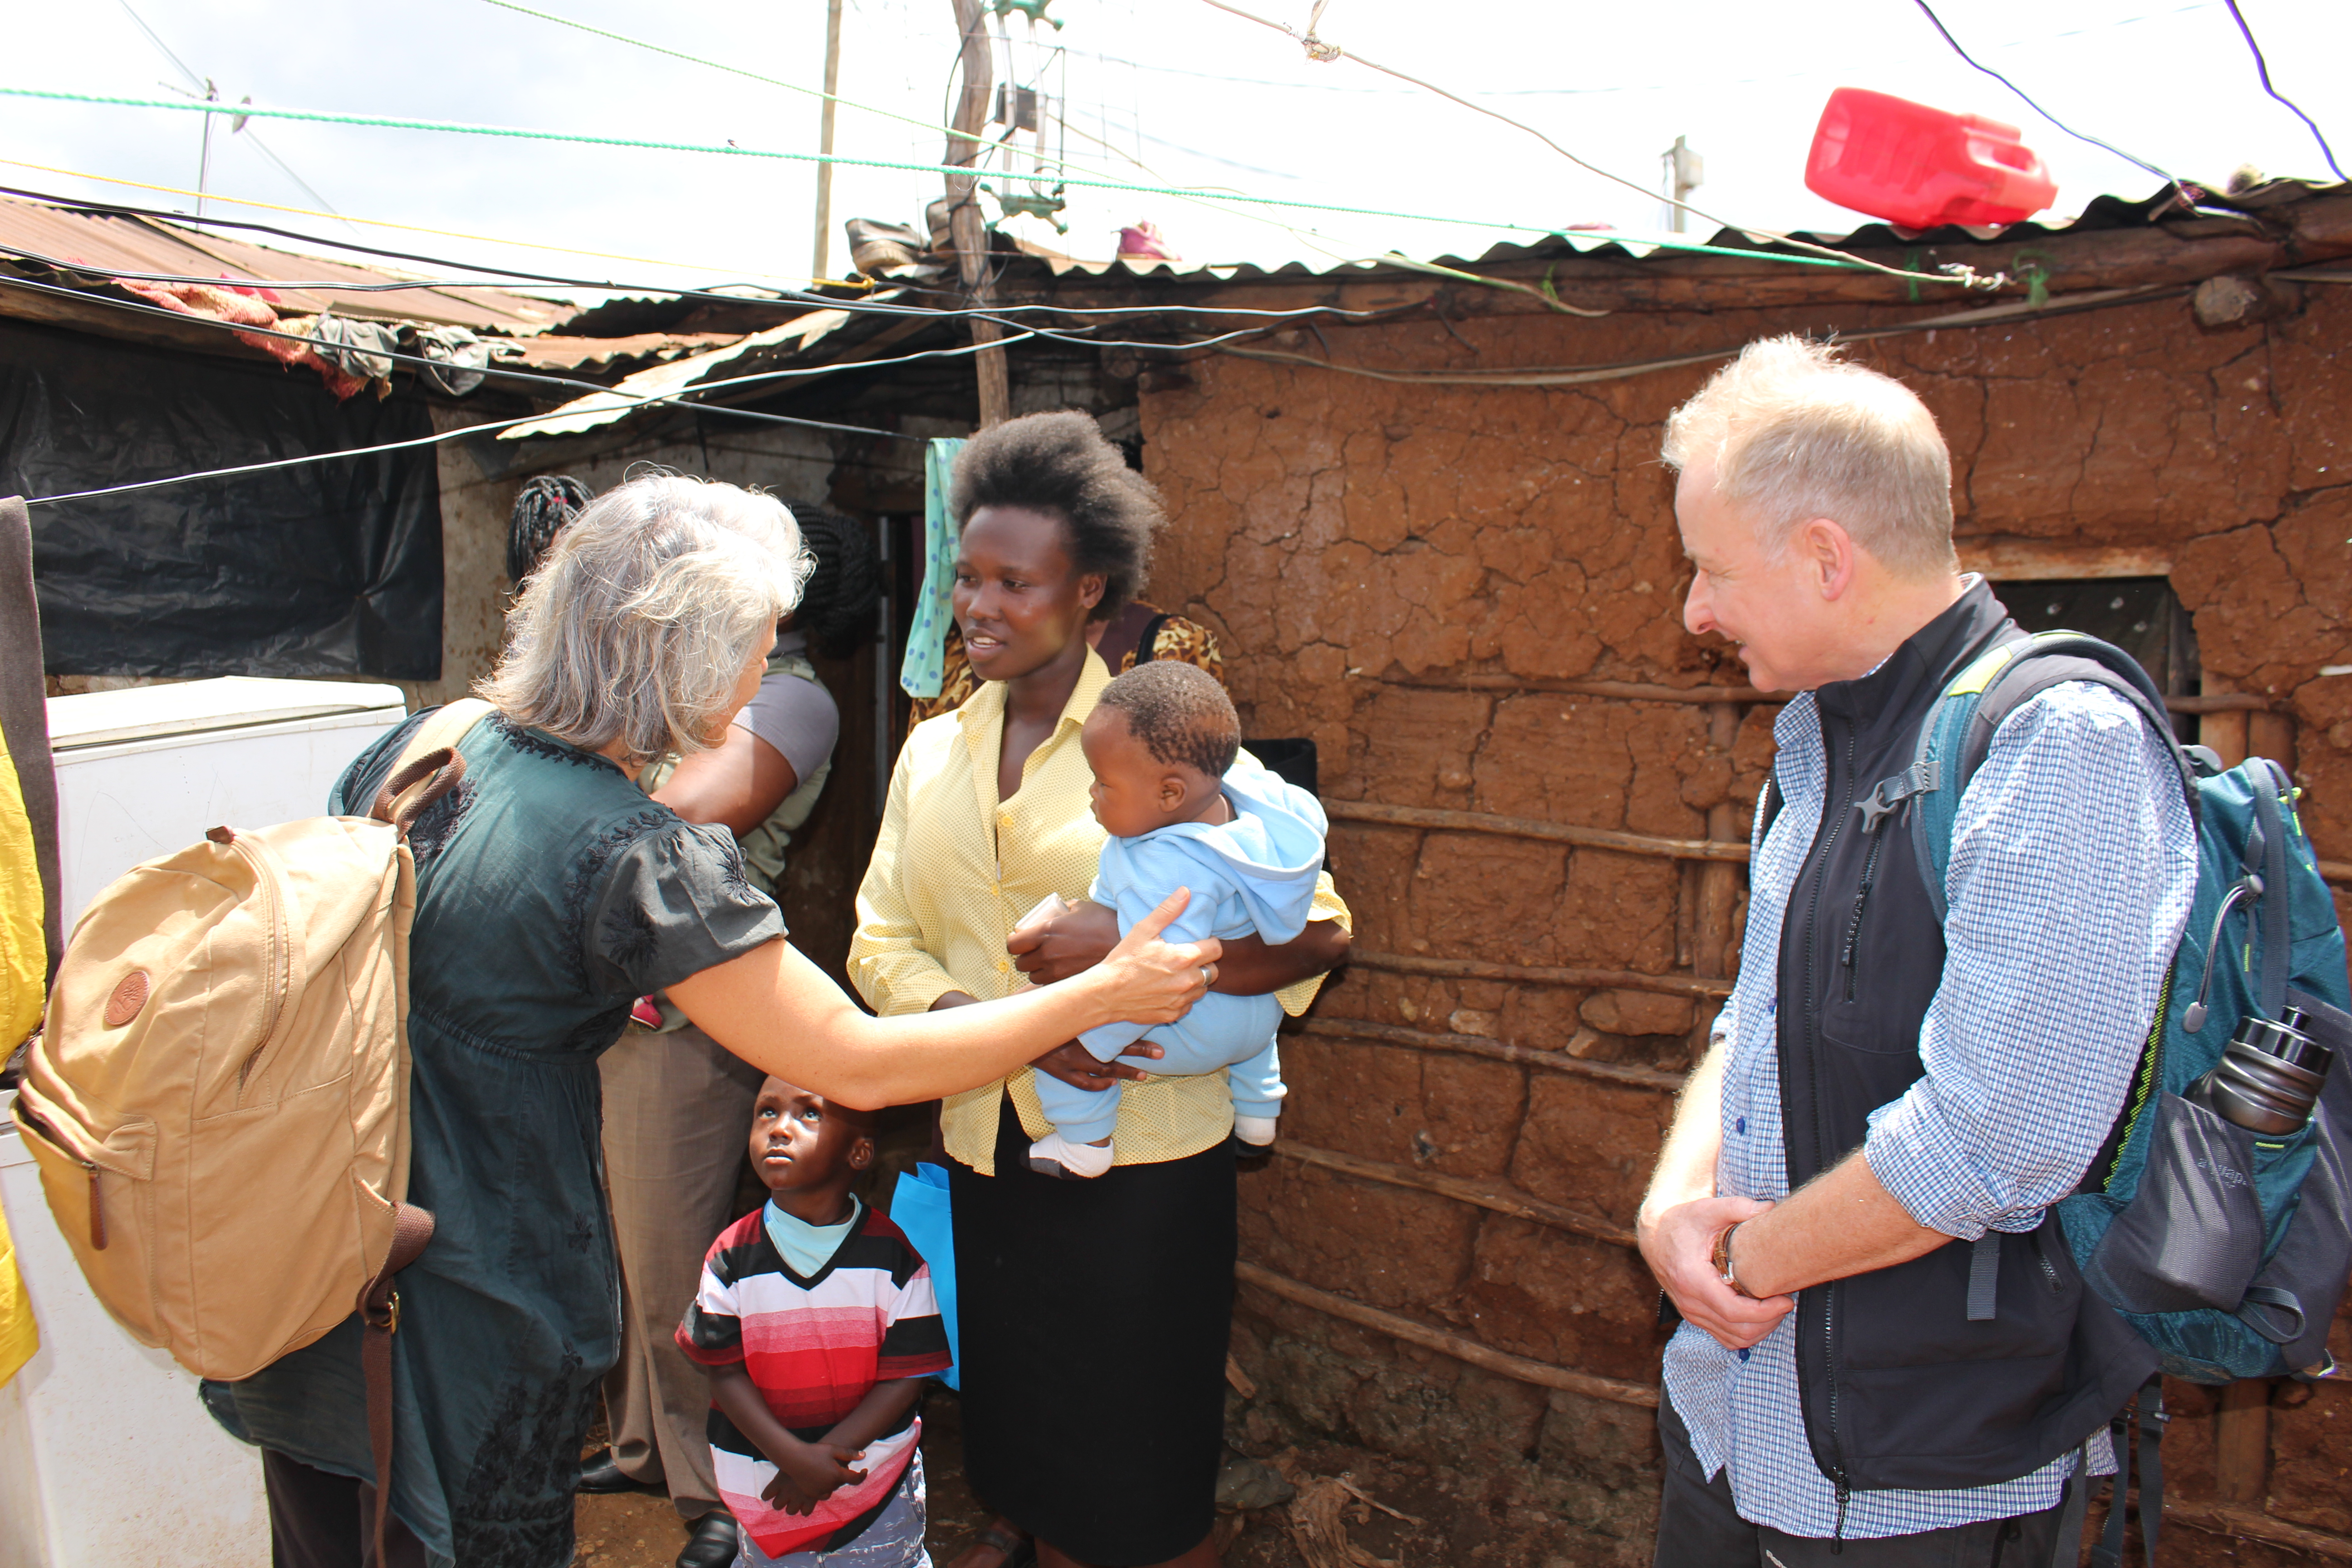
(676, 1101)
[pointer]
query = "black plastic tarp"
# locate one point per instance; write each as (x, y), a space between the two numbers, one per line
(331, 568)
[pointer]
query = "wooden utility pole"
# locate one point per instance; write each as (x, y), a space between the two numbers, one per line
(824, 139)
(965, 225)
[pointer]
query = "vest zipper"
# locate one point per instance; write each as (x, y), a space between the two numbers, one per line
(1860, 897)
(1833, 825)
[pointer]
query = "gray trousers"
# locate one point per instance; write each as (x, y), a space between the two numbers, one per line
(678, 1119)
(1699, 1526)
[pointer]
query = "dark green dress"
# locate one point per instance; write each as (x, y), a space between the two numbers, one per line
(549, 893)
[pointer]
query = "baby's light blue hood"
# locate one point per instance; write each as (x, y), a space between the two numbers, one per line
(1273, 849)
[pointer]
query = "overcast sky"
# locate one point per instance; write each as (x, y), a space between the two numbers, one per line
(1178, 88)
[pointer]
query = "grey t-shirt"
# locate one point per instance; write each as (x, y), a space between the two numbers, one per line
(795, 716)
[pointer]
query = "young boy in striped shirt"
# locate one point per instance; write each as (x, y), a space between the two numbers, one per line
(816, 1323)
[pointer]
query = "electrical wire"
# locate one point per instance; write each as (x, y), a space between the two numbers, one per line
(206, 82)
(1322, 50)
(1584, 375)
(2175, 181)
(183, 217)
(432, 440)
(1827, 255)
(2263, 69)
(1022, 334)
(727, 149)
(865, 307)
(573, 383)
(1202, 196)
(1600, 91)
(1209, 196)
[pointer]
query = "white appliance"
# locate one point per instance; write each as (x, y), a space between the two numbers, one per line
(106, 1457)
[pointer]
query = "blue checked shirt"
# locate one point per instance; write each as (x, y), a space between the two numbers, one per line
(2074, 863)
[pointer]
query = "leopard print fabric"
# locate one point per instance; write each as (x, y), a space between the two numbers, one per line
(1186, 641)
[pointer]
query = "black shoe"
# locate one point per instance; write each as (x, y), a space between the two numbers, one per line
(715, 1544)
(598, 1474)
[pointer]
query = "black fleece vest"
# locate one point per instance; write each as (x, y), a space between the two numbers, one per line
(1901, 1387)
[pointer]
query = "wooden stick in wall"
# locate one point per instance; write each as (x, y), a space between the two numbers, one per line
(1485, 1194)
(1618, 1073)
(1443, 820)
(1542, 975)
(1634, 691)
(1718, 886)
(2242, 1441)
(2244, 1523)
(1524, 1370)
(2223, 731)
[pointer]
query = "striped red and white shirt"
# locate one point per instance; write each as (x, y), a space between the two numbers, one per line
(815, 1347)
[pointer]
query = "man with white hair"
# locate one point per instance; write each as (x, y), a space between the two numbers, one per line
(1886, 1353)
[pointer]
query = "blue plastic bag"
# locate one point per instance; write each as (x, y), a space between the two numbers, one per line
(920, 1207)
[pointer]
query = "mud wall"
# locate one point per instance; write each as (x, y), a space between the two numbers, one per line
(1397, 569)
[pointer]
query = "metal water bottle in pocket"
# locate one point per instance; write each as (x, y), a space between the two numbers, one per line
(2268, 1077)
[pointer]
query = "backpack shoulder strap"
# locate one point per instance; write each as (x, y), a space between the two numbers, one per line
(429, 766)
(1958, 733)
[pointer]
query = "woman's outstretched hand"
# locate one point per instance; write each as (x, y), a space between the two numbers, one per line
(1148, 981)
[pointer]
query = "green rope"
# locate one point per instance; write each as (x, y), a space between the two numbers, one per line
(918, 124)
(731, 150)
(1911, 269)
(727, 149)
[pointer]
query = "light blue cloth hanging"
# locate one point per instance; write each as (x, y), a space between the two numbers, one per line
(924, 670)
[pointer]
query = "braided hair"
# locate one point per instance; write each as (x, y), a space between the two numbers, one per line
(838, 601)
(544, 504)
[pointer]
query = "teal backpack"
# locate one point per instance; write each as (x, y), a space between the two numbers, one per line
(2227, 1251)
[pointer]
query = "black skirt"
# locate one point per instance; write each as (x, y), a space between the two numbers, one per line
(1095, 1321)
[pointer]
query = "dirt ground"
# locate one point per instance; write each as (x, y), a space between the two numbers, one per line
(1354, 1506)
(640, 1530)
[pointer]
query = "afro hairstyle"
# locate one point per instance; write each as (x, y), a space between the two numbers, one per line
(1061, 465)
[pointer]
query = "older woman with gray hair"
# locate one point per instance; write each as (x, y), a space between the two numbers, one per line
(550, 892)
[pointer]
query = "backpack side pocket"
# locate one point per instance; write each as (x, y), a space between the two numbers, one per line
(2192, 1234)
(2294, 1299)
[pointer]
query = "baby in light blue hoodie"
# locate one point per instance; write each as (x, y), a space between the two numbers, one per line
(1186, 807)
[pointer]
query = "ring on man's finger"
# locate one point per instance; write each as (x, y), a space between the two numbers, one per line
(1208, 975)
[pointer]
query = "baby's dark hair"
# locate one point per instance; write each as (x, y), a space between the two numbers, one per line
(1060, 464)
(544, 504)
(1180, 713)
(838, 601)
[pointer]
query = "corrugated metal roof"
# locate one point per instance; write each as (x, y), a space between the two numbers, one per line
(576, 355)
(2103, 213)
(792, 341)
(819, 339)
(107, 244)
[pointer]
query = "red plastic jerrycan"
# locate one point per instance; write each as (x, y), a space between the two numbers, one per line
(1919, 167)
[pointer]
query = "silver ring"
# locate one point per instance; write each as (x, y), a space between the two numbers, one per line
(1208, 975)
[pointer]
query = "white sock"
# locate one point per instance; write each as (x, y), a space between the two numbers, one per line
(1052, 1150)
(1258, 1129)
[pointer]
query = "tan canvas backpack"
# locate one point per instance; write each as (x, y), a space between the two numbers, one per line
(218, 1101)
